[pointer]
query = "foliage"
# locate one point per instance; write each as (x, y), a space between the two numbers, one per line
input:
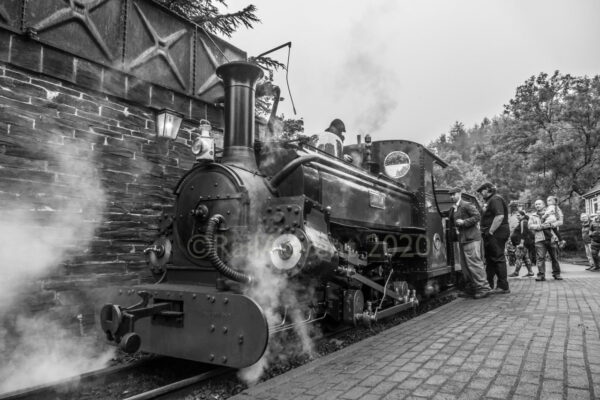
(293, 126)
(546, 142)
(206, 13)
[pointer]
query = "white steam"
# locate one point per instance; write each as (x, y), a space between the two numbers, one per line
(276, 293)
(47, 222)
(46, 352)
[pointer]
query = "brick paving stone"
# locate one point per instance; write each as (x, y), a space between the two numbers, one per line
(398, 376)
(479, 383)
(372, 380)
(498, 391)
(578, 381)
(383, 388)
(355, 393)
(471, 395)
(369, 396)
(487, 373)
(452, 387)
(578, 394)
(305, 397)
(506, 380)
(423, 373)
(411, 383)
(462, 376)
(520, 397)
(552, 386)
(444, 396)
(437, 380)
(332, 394)
(425, 391)
(396, 394)
(526, 389)
(433, 364)
(553, 373)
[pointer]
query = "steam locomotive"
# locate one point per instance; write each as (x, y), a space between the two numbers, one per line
(279, 234)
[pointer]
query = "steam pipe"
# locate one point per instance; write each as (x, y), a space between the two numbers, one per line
(214, 258)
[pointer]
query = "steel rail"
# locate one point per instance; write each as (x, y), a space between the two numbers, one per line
(179, 385)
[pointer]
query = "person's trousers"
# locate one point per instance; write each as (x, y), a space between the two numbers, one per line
(595, 250)
(531, 250)
(495, 261)
(472, 266)
(549, 247)
(588, 254)
(522, 255)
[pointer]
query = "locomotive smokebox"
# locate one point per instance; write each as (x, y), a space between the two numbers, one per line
(240, 79)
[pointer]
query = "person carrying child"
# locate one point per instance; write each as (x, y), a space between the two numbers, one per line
(554, 215)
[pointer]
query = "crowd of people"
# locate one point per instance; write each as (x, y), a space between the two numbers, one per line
(535, 236)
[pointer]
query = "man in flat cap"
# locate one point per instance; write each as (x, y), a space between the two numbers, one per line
(464, 218)
(495, 232)
(332, 139)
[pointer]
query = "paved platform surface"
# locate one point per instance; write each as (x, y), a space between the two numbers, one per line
(539, 342)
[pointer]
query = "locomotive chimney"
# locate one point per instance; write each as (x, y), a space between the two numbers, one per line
(239, 78)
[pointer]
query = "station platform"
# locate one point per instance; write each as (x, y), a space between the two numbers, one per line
(541, 341)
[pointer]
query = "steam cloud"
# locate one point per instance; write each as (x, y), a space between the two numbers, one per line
(275, 292)
(37, 232)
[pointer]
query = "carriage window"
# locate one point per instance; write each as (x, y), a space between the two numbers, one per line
(396, 164)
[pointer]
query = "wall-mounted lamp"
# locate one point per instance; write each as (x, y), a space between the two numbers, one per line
(168, 123)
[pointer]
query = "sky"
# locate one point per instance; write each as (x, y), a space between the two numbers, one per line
(400, 69)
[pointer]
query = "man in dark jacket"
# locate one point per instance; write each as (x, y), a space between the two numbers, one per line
(464, 220)
(495, 232)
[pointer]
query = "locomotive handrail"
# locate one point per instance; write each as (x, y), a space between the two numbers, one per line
(290, 167)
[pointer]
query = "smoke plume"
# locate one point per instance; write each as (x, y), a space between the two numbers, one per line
(45, 224)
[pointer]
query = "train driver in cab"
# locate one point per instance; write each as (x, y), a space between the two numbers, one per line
(331, 140)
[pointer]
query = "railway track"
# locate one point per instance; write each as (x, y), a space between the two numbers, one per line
(179, 389)
(123, 381)
(58, 389)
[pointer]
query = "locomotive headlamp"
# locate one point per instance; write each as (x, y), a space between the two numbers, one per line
(204, 145)
(167, 124)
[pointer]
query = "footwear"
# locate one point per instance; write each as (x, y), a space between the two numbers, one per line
(540, 278)
(513, 275)
(481, 295)
(590, 268)
(500, 291)
(530, 274)
(558, 277)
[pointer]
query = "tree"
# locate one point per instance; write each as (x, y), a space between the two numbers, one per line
(206, 13)
(556, 130)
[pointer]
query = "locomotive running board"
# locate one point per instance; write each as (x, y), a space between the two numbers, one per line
(220, 328)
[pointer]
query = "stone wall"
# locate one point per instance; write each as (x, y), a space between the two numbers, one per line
(83, 179)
